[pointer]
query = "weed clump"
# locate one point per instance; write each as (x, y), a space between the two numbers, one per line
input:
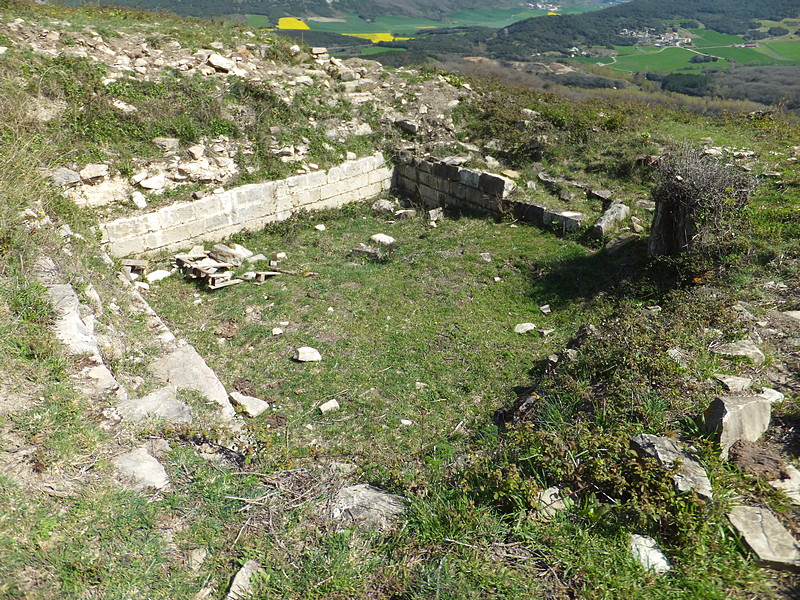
(699, 203)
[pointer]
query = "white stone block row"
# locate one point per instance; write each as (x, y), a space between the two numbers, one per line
(246, 208)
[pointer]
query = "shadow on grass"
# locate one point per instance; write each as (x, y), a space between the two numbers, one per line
(630, 275)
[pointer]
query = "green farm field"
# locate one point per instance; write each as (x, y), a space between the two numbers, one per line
(407, 26)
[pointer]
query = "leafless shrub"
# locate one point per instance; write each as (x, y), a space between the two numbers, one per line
(699, 201)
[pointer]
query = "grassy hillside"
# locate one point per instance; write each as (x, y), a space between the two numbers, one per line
(417, 341)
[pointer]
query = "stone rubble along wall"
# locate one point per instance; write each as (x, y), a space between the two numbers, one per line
(248, 207)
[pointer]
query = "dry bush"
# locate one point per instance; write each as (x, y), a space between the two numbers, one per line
(699, 202)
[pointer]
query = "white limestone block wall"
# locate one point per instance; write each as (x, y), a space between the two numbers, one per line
(248, 207)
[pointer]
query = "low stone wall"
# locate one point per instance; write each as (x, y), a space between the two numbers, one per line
(248, 207)
(438, 183)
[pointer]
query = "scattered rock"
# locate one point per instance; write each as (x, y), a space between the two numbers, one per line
(307, 354)
(524, 327)
(382, 239)
(549, 503)
(365, 507)
(737, 418)
(241, 586)
(196, 558)
(65, 177)
(690, 475)
(744, 348)
(384, 206)
(646, 551)
(621, 242)
(167, 144)
(320, 227)
(369, 251)
(139, 200)
(733, 384)
(234, 255)
(486, 256)
(93, 172)
(186, 369)
(329, 406)
(143, 469)
(610, 220)
(769, 540)
(406, 213)
(545, 309)
(251, 405)
(220, 63)
(162, 403)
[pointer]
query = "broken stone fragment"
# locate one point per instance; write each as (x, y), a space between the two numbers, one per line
(737, 418)
(646, 551)
(524, 327)
(65, 177)
(167, 144)
(690, 475)
(610, 220)
(242, 586)
(550, 502)
(226, 254)
(764, 534)
(251, 405)
(307, 354)
(744, 348)
(329, 406)
(365, 507)
(145, 471)
(220, 63)
(382, 239)
(734, 384)
(384, 206)
(93, 172)
(138, 198)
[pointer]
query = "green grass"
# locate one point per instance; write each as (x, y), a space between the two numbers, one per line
(665, 61)
(258, 21)
(372, 50)
(704, 38)
(790, 50)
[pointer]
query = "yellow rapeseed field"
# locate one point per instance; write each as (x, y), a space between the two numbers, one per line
(291, 23)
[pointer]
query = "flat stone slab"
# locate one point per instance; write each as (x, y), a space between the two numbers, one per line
(738, 418)
(69, 327)
(524, 327)
(145, 471)
(690, 476)
(241, 586)
(743, 348)
(185, 369)
(382, 239)
(366, 507)
(161, 403)
(646, 551)
(769, 540)
(251, 405)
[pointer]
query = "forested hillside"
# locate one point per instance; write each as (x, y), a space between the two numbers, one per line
(601, 28)
(279, 8)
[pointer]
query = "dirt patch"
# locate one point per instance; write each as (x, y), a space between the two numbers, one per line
(758, 460)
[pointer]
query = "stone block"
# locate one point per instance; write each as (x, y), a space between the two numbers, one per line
(493, 185)
(525, 211)
(308, 196)
(317, 179)
(126, 247)
(425, 166)
(217, 221)
(469, 178)
(570, 220)
(445, 171)
(738, 418)
(334, 174)
(381, 175)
